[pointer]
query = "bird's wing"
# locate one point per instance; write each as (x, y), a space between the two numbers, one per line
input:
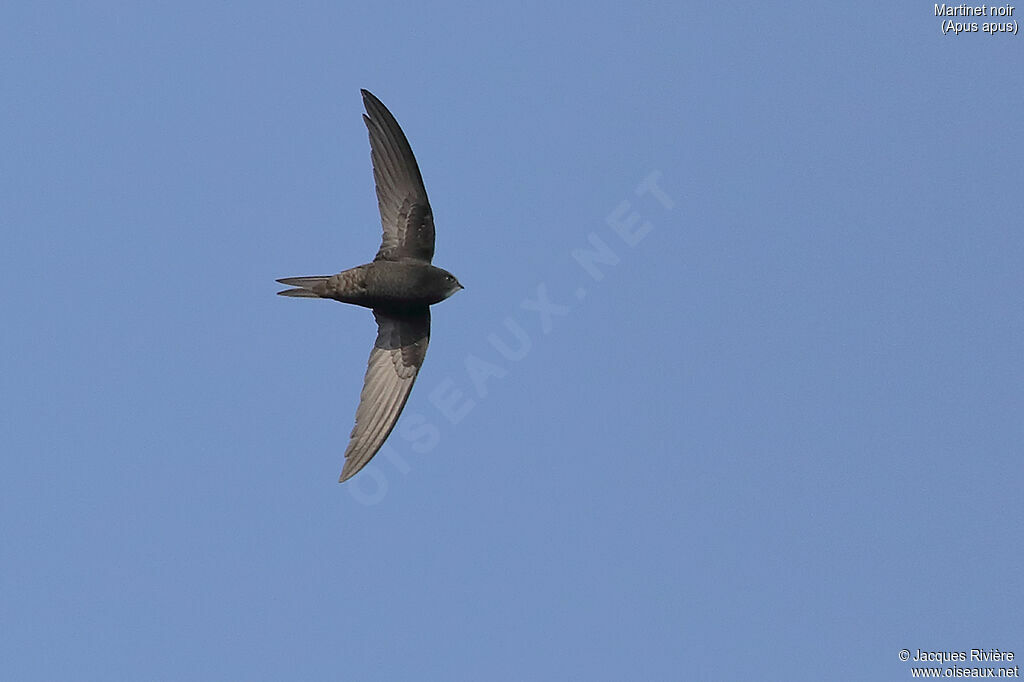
(404, 209)
(394, 362)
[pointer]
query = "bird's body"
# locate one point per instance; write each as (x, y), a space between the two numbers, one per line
(380, 284)
(399, 286)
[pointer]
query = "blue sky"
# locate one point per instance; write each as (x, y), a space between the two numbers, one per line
(774, 433)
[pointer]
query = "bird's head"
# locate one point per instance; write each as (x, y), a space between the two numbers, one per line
(452, 283)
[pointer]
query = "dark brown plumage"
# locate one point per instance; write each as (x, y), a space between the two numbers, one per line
(399, 285)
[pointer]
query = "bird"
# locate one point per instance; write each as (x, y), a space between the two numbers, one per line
(399, 286)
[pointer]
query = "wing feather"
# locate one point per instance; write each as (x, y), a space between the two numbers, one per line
(395, 361)
(406, 218)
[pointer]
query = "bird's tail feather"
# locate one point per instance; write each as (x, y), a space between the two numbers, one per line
(306, 286)
(298, 293)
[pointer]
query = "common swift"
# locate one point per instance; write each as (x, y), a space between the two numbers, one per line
(399, 286)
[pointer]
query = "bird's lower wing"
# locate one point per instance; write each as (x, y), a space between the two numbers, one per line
(395, 361)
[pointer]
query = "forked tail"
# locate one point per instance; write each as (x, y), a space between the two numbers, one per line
(306, 287)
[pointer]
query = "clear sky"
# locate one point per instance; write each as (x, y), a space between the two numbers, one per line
(734, 390)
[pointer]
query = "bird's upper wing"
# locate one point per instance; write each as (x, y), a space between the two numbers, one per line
(394, 362)
(404, 208)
